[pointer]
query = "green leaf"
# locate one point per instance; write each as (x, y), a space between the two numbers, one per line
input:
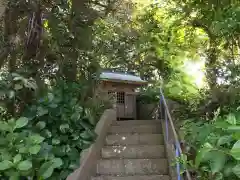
(6, 156)
(47, 133)
(234, 128)
(14, 176)
(74, 154)
(85, 135)
(46, 170)
(55, 141)
(36, 139)
(11, 94)
(18, 87)
(224, 140)
(236, 135)
(59, 151)
(23, 150)
(208, 145)
(41, 111)
(34, 149)
(5, 126)
(85, 125)
(217, 160)
(75, 116)
(175, 90)
(222, 124)
(236, 170)
(50, 97)
(218, 176)
(64, 127)
(231, 119)
(4, 165)
(86, 144)
(228, 168)
(17, 77)
(90, 116)
(21, 122)
(235, 151)
(17, 158)
(57, 162)
(24, 165)
(30, 84)
(200, 155)
(41, 125)
(53, 105)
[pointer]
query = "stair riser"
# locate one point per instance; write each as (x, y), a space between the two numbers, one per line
(132, 167)
(136, 129)
(150, 177)
(137, 122)
(134, 139)
(134, 152)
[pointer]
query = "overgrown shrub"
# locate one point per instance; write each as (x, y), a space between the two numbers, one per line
(24, 153)
(46, 142)
(216, 147)
(149, 96)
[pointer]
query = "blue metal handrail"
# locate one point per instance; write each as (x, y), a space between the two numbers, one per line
(168, 121)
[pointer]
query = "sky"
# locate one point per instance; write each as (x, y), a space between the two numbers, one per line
(196, 70)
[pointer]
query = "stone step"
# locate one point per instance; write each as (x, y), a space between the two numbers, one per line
(136, 122)
(134, 151)
(152, 128)
(149, 177)
(123, 167)
(134, 139)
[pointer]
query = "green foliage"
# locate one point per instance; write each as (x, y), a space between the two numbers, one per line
(216, 145)
(182, 88)
(20, 149)
(46, 142)
(15, 92)
(155, 45)
(149, 95)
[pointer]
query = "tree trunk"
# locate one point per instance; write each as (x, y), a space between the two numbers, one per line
(2, 7)
(211, 64)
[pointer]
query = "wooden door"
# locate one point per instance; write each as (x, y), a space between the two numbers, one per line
(130, 105)
(120, 104)
(125, 104)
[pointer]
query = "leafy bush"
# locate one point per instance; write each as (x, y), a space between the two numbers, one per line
(24, 153)
(215, 145)
(46, 142)
(181, 88)
(16, 92)
(148, 96)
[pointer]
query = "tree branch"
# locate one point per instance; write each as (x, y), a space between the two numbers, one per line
(99, 4)
(198, 24)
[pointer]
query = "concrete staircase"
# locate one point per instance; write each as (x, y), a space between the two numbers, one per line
(134, 150)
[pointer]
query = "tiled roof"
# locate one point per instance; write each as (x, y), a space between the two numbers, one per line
(121, 77)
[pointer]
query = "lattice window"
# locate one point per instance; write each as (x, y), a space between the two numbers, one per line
(120, 97)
